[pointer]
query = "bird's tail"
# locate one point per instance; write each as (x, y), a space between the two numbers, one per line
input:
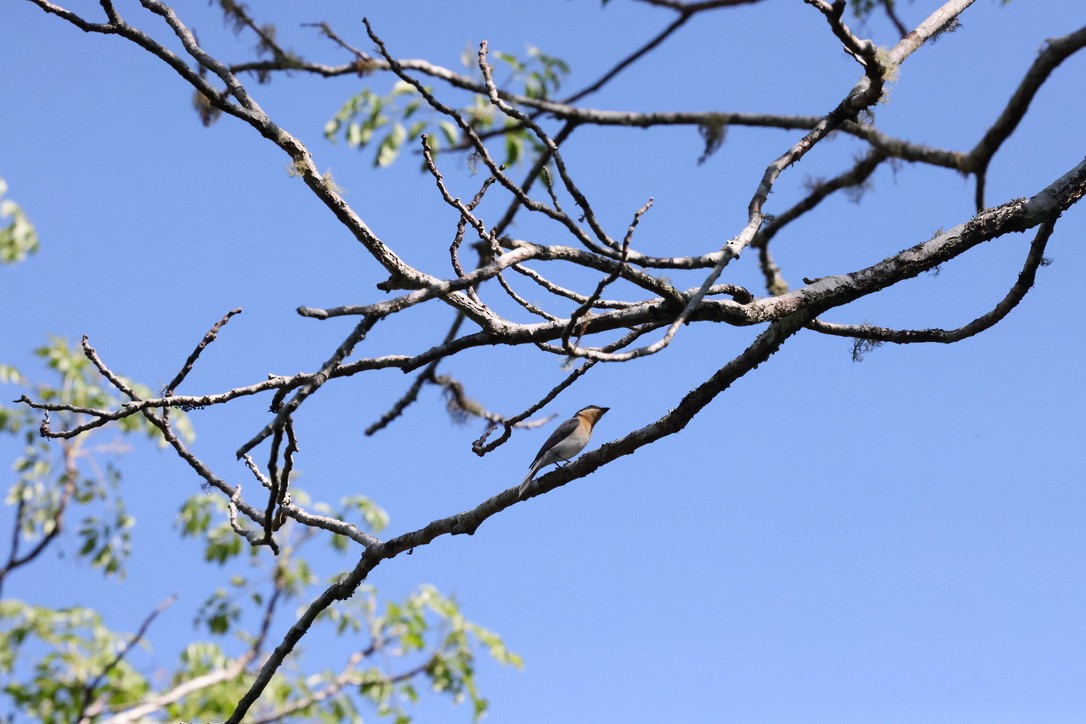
(527, 479)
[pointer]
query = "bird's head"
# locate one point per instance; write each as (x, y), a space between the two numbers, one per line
(592, 412)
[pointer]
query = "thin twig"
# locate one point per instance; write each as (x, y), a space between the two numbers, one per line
(208, 339)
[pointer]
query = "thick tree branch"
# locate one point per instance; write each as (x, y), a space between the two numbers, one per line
(647, 302)
(820, 295)
(1026, 278)
(468, 522)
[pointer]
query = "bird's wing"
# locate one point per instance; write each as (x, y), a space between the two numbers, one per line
(561, 433)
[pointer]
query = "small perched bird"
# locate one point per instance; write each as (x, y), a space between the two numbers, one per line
(565, 442)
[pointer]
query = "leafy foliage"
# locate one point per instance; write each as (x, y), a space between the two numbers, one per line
(385, 122)
(18, 237)
(52, 661)
(47, 658)
(54, 479)
(434, 641)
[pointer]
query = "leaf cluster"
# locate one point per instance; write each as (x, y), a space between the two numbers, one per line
(47, 656)
(18, 237)
(385, 122)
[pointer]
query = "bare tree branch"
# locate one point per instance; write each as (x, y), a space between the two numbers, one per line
(641, 300)
(1026, 278)
(1055, 52)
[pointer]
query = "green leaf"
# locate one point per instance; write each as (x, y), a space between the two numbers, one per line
(416, 129)
(402, 87)
(390, 146)
(510, 60)
(374, 515)
(194, 517)
(218, 613)
(514, 147)
(222, 544)
(450, 131)
(11, 376)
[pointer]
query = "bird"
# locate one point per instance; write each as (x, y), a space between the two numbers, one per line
(566, 441)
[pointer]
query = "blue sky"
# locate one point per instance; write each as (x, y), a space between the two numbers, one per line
(895, 540)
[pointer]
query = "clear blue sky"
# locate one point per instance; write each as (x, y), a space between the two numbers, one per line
(900, 540)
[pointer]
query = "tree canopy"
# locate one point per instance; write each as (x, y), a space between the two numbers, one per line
(306, 292)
